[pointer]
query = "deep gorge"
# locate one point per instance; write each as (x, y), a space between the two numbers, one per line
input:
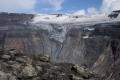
(95, 46)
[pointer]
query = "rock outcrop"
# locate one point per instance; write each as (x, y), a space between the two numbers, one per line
(19, 66)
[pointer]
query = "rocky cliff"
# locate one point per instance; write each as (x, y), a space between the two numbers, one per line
(93, 45)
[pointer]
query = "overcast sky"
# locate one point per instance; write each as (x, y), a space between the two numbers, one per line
(63, 6)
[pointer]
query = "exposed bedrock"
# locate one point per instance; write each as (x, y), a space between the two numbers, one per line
(96, 46)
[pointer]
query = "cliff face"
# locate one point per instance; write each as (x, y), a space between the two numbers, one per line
(91, 45)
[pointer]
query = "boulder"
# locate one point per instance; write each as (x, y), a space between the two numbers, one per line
(81, 71)
(6, 57)
(28, 71)
(39, 68)
(45, 58)
(20, 60)
(14, 52)
(73, 77)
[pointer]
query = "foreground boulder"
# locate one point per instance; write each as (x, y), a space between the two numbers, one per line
(83, 72)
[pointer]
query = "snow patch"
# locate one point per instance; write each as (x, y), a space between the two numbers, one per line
(56, 31)
(50, 19)
(85, 37)
(57, 26)
(70, 18)
(89, 29)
